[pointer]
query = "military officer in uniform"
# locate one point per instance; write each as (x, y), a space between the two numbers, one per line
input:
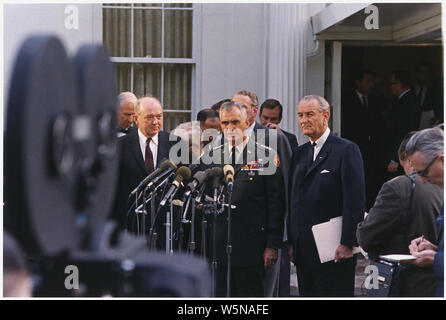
(258, 197)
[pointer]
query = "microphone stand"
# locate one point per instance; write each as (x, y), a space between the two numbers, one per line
(153, 236)
(214, 241)
(169, 229)
(183, 220)
(137, 211)
(191, 247)
(203, 226)
(143, 216)
(229, 245)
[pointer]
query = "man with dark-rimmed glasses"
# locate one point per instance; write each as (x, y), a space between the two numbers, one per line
(425, 151)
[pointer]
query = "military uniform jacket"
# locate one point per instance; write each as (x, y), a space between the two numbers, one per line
(257, 220)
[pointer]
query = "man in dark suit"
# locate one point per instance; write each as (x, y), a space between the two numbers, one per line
(141, 152)
(400, 214)
(257, 220)
(359, 124)
(126, 112)
(405, 116)
(278, 276)
(271, 115)
(429, 92)
(425, 151)
(327, 182)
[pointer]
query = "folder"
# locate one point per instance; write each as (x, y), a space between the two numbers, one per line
(327, 236)
(397, 258)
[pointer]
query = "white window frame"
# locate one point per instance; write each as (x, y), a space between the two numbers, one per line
(194, 61)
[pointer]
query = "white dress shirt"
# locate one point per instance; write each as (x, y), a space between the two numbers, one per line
(250, 129)
(361, 98)
(320, 143)
(238, 151)
(153, 146)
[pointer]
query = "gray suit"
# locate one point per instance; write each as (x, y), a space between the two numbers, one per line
(383, 231)
(277, 277)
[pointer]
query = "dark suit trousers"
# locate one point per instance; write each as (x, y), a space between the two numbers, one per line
(328, 279)
(245, 282)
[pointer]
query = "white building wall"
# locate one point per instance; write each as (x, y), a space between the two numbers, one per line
(22, 20)
(232, 52)
(232, 46)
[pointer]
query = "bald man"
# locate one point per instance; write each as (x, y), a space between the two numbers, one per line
(141, 152)
(126, 112)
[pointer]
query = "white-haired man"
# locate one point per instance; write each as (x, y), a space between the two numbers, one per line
(425, 151)
(126, 112)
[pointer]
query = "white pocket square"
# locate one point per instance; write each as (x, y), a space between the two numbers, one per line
(325, 171)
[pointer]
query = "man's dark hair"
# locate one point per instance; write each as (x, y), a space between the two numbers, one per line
(424, 64)
(402, 149)
(205, 114)
(403, 77)
(216, 106)
(271, 104)
(359, 75)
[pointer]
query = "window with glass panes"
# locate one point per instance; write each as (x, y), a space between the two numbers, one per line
(151, 48)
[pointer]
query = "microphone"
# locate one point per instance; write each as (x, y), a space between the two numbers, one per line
(183, 173)
(228, 171)
(197, 181)
(215, 176)
(165, 165)
(193, 167)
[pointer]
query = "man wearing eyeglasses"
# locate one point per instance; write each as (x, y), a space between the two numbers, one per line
(425, 152)
(405, 208)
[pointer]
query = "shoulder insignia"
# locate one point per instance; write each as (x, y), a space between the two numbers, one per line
(276, 160)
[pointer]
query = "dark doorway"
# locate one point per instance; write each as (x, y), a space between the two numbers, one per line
(376, 118)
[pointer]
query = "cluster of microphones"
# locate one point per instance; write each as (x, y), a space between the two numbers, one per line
(170, 187)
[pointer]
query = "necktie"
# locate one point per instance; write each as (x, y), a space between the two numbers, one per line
(420, 96)
(233, 154)
(364, 101)
(313, 144)
(149, 157)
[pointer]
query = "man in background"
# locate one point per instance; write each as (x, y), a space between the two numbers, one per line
(271, 115)
(405, 117)
(359, 124)
(126, 111)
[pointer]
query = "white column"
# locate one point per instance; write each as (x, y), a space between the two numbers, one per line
(287, 31)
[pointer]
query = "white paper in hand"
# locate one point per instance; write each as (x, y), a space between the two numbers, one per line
(327, 236)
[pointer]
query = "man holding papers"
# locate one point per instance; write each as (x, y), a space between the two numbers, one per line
(327, 181)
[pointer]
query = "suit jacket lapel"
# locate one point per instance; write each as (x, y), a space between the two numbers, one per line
(162, 145)
(323, 154)
(137, 150)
